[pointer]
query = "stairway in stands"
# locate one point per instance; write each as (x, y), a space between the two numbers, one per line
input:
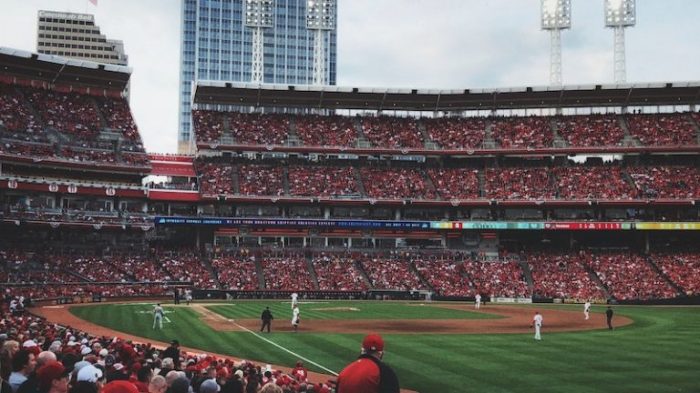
(428, 143)
(260, 274)
(594, 277)
(362, 141)
(528, 275)
(205, 260)
(663, 275)
(629, 139)
(312, 271)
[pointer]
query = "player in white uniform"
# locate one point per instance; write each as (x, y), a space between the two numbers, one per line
(295, 297)
(537, 322)
(188, 296)
(158, 316)
(295, 317)
(587, 308)
(477, 301)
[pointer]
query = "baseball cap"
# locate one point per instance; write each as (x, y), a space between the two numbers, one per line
(373, 342)
(209, 386)
(49, 372)
(120, 387)
(175, 342)
(104, 352)
(89, 373)
(118, 366)
(29, 344)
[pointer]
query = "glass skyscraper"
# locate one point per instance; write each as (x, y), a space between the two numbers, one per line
(216, 45)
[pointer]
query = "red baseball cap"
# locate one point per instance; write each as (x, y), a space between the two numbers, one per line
(49, 372)
(120, 387)
(373, 342)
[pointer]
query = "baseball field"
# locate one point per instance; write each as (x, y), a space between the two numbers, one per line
(438, 347)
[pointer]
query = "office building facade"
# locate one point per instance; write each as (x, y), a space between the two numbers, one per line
(216, 45)
(76, 36)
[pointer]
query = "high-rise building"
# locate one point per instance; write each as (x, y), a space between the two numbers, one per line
(217, 45)
(76, 36)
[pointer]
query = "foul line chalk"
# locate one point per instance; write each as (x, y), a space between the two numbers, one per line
(285, 349)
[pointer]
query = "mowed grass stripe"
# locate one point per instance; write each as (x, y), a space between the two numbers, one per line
(339, 310)
(658, 353)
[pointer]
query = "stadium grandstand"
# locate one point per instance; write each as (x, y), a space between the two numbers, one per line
(570, 193)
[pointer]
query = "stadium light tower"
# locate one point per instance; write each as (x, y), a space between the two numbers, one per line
(320, 17)
(556, 16)
(618, 15)
(259, 16)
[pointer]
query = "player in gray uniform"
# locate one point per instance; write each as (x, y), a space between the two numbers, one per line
(158, 316)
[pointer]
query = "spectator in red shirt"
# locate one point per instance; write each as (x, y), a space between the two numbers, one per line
(368, 374)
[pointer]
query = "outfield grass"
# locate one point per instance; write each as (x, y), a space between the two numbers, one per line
(660, 352)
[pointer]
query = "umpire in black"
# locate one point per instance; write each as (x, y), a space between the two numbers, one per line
(266, 319)
(609, 316)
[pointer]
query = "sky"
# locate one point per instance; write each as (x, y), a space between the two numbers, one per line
(447, 44)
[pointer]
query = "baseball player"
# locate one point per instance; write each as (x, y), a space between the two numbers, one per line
(295, 297)
(158, 316)
(477, 301)
(295, 317)
(537, 322)
(188, 296)
(587, 309)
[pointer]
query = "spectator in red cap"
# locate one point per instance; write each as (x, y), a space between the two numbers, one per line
(120, 387)
(368, 374)
(53, 377)
(299, 372)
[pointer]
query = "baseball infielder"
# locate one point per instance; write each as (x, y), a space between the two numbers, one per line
(587, 308)
(295, 297)
(295, 317)
(537, 321)
(158, 316)
(477, 301)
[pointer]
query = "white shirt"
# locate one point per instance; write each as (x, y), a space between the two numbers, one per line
(158, 311)
(294, 297)
(16, 379)
(587, 306)
(295, 314)
(537, 319)
(478, 298)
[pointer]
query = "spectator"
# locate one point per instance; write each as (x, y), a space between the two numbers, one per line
(23, 364)
(368, 374)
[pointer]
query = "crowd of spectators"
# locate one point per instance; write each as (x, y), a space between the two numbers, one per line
(395, 184)
(562, 275)
(458, 183)
(338, 273)
(392, 132)
(629, 276)
(519, 183)
(16, 118)
(456, 132)
(208, 125)
(593, 183)
(96, 155)
(523, 132)
(499, 279)
(287, 273)
(117, 115)
(326, 130)
(259, 129)
(682, 268)
(236, 272)
(666, 182)
(591, 130)
(261, 180)
(662, 129)
(69, 113)
(444, 276)
(322, 181)
(38, 355)
(215, 178)
(186, 267)
(392, 272)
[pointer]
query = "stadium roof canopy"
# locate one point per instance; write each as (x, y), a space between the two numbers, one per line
(61, 70)
(337, 97)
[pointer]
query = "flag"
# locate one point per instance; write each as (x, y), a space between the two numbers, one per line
(94, 2)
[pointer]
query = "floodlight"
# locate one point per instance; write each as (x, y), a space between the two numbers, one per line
(320, 18)
(320, 14)
(620, 14)
(556, 16)
(259, 13)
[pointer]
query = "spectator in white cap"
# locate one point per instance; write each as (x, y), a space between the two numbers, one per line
(90, 373)
(85, 351)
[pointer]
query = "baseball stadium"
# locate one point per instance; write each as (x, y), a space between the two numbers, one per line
(527, 239)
